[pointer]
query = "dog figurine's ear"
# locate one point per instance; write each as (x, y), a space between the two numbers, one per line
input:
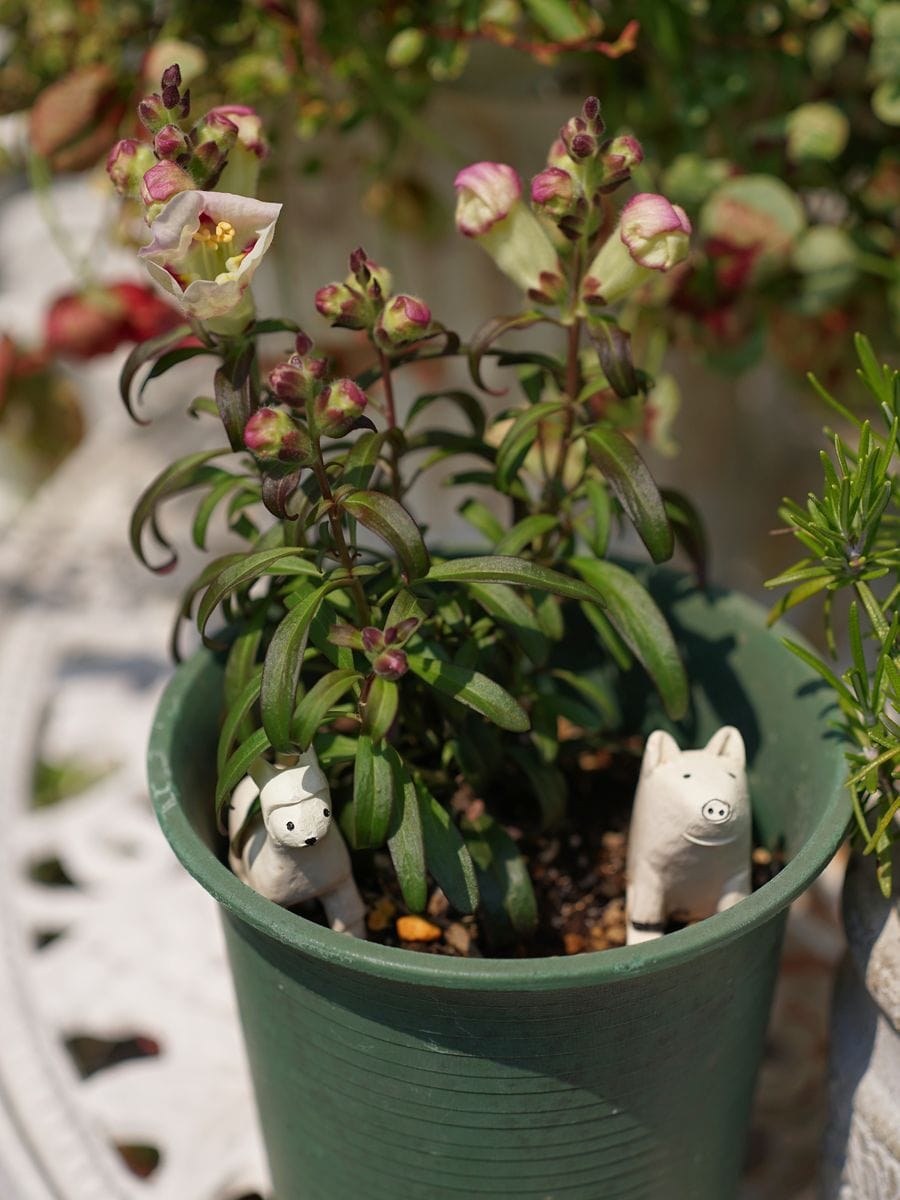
(728, 743)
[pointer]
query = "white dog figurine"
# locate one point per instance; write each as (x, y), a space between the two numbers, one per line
(689, 845)
(294, 851)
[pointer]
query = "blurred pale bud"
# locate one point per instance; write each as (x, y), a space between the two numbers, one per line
(339, 407)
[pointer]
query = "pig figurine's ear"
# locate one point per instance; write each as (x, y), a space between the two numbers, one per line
(661, 748)
(728, 743)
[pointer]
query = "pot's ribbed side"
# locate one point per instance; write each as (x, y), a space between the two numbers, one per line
(637, 1089)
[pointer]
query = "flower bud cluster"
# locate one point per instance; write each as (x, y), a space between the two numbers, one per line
(227, 138)
(365, 301)
(383, 648)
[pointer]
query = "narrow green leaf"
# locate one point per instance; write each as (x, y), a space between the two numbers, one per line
(481, 519)
(405, 842)
(389, 520)
(520, 438)
(508, 608)
(472, 689)
(643, 628)
(445, 852)
(237, 714)
(362, 459)
(464, 401)
(380, 708)
(545, 783)
(405, 604)
(495, 854)
(210, 502)
(373, 794)
(601, 515)
(601, 701)
(143, 353)
(634, 488)
(316, 704)
(236, 768)
(165, 362)
(796, 596)
(239, 574)
(689, 530)
(189, 595)
(617, 649)
(281, 671)
(558, 19)
(524, 533)
(488, 333)
(837, 685)
(491, 568)
(548, 611)
(180, 476)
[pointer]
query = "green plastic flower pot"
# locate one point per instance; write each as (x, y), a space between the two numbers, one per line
(626, 1074)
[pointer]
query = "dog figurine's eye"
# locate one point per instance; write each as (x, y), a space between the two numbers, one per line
(290, 826)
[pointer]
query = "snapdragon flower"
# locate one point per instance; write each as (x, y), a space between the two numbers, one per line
(490, 210)
(652, 235)
(206, 247)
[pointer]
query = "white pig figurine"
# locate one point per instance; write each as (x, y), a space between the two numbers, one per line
(295, 851)
(689, 844)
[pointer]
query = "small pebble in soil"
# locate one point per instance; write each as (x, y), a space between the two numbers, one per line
(417, 929)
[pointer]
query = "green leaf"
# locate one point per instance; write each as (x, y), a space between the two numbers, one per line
(242, 573)
(210, 502)
(482, 519)
(519, 439)
(406, 604)
(643, 628)
(548, 611)
(507, 569)
(373, 793)
(601, 515)
(318, 701)
(143, 353)
(242, 657)
(617, 649)
(558, 19)
(362, 459)
(281, 671)
(689, 530)
(380, 708)
(181, 476)
(209, 572)
(238, 712)
(464, 401)
(614, 351)
(604, 705)
(497, 857)
(839, 688)
(545, 782)
(525, 532)
(272, 325)
(634, 488)
(405, 842)
(508, 608)
(445, 852)
(165, 362)
(796, 596)
(236, 768)
(472, 689)
(488, 333)
(389, 520)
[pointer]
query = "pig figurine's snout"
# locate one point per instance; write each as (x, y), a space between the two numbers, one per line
(716, 811)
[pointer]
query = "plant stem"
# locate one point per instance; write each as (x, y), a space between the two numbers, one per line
(337, 532)
(391, 414)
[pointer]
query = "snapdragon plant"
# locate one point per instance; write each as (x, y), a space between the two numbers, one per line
(415, 674)
(851, 534)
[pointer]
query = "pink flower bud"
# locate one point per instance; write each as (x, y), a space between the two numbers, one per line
(152, 113)
(392, 664)
(273, 435)
(248, 124)
(217, 128)
(126, 165)
(339, 407)
(403, 320)
(298, 380)
(163, 181)
(554, 191)
(343, 306)
(170, 142)
(397, 635)
(656, 232)
(486, 193)
(373, 280)
(372, 639)
(622, 154)
(303, 343)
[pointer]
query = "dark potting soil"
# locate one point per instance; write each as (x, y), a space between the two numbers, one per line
(577, 871)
